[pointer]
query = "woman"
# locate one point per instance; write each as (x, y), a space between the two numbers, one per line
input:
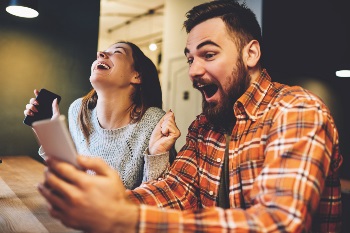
(116, 118)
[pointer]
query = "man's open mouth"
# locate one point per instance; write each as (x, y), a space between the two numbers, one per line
(208, 89)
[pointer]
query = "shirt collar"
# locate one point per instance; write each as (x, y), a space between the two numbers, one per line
(249, 103)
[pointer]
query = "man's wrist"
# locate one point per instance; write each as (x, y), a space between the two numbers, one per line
(127, 218)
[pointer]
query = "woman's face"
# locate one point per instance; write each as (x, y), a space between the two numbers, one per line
(114, 68)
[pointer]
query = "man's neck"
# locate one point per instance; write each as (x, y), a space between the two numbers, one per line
(254, 73)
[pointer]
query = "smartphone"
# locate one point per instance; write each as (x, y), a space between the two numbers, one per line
(45, 99)
(55, 139)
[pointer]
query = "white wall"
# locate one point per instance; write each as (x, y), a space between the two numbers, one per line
(174, 77)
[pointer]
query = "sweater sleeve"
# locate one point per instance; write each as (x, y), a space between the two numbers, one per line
(73, 118)
(155, 166)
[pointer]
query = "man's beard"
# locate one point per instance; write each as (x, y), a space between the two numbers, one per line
(221, 114)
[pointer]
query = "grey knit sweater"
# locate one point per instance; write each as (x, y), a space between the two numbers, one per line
(122, 149)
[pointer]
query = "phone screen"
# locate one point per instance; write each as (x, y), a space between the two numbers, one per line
(45, 99)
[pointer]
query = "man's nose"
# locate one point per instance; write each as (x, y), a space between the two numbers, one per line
(196, 69)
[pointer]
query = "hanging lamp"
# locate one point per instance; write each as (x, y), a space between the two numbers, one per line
(23, 8)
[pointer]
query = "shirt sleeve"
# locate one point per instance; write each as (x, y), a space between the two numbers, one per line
(301, 144)
(73, 126)
(178, 188)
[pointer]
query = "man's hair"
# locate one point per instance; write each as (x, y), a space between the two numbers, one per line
(238, 18)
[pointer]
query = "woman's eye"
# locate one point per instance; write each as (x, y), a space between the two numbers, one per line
(117, 51)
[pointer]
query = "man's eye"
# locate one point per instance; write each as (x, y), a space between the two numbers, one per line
(209, 55)
(117, 51)
(190, 61)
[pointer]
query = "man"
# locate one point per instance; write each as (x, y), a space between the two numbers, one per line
(262, 157)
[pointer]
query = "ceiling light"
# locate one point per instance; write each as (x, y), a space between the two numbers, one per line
(23, 8)
(343, 73)
(152, 47)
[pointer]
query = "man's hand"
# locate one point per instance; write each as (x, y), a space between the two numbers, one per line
(164, 134)
(92, 203)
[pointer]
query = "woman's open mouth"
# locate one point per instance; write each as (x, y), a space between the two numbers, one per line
(102, 66)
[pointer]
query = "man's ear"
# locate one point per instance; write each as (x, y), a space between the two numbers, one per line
(136, 79)
(252, 53)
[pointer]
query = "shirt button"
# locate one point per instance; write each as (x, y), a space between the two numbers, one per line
(211, 193)
(218, 160)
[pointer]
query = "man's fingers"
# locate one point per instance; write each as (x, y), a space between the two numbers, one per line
(66, 172)
(57, 183)
(95, 164)
(51, 197)
(57, 207)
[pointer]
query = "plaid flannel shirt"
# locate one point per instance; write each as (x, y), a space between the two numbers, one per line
(283, 162)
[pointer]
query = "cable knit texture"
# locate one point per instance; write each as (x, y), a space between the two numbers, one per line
(123, 148)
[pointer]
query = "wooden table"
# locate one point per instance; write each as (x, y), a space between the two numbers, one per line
(22, 208)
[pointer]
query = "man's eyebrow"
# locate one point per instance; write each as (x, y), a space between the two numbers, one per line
(207, 42)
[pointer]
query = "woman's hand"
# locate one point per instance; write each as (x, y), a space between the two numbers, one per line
(55, 109)
(31, 107)
(164, 134)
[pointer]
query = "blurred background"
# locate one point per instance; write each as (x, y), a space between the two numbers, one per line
(304, 43)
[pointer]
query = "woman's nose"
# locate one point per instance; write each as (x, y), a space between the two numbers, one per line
(101, 54)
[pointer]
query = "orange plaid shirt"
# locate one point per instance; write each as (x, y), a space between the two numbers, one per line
(283, 162)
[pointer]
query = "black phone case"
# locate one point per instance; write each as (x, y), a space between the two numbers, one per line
(45, 99)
